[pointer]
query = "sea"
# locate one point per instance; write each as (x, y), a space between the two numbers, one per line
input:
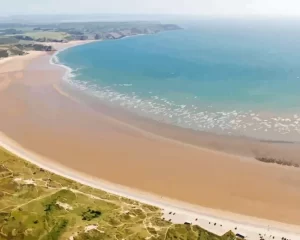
(236, 77)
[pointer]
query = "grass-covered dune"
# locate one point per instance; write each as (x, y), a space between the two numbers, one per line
(37, 204)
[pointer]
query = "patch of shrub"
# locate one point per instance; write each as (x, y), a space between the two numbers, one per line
(90, 214)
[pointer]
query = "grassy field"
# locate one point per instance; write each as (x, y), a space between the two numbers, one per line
(7, 40)
(37, 204)
(46, 34)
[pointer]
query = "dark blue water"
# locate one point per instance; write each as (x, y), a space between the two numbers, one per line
(234, 78)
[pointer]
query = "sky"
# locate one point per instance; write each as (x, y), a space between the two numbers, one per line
(288, 8)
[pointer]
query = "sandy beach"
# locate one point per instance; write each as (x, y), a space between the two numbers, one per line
(216, 221)
(38, 114)
(12, 67)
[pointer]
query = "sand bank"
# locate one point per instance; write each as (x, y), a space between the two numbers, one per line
(11, 67)
(17, 63)
(88, 140)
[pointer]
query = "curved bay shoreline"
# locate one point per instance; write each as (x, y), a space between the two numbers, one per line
(44, 137)
(250, 226)
(281, 152)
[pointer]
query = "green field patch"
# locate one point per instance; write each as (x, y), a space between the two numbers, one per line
(46, 34)
(8, 40)
(37, 204)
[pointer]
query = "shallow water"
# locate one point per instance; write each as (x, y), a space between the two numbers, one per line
(240, 79)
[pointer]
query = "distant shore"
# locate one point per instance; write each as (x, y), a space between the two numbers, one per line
(107, 144)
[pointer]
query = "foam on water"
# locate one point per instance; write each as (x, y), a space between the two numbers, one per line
(245, 123)
(112, 78)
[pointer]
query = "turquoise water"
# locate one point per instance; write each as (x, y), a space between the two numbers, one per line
(239, 79)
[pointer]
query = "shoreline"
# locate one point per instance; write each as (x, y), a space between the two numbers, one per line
(264, 128)
(210, 134)
(153, 135)
(209, 153)
(20, 64)
(246, 224)
(148, 133)
(141, 124)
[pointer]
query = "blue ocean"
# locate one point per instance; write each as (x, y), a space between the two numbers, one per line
(223, 76)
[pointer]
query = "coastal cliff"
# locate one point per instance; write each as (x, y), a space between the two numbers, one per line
(16, 39)
(138, 31)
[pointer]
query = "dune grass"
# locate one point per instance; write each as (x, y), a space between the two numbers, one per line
(37, 204)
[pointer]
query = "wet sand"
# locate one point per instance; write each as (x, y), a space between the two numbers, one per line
(12, 67)
(98, 141)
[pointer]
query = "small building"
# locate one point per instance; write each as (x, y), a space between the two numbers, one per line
(187, 223)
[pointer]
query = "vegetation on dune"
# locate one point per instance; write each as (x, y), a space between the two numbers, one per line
(37, 204)
(33, 47)
(21, 49)
(3, 53)
(190, 232)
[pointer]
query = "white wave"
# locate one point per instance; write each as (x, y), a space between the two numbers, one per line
(165, 110)
(124, 85)
(184, 115)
